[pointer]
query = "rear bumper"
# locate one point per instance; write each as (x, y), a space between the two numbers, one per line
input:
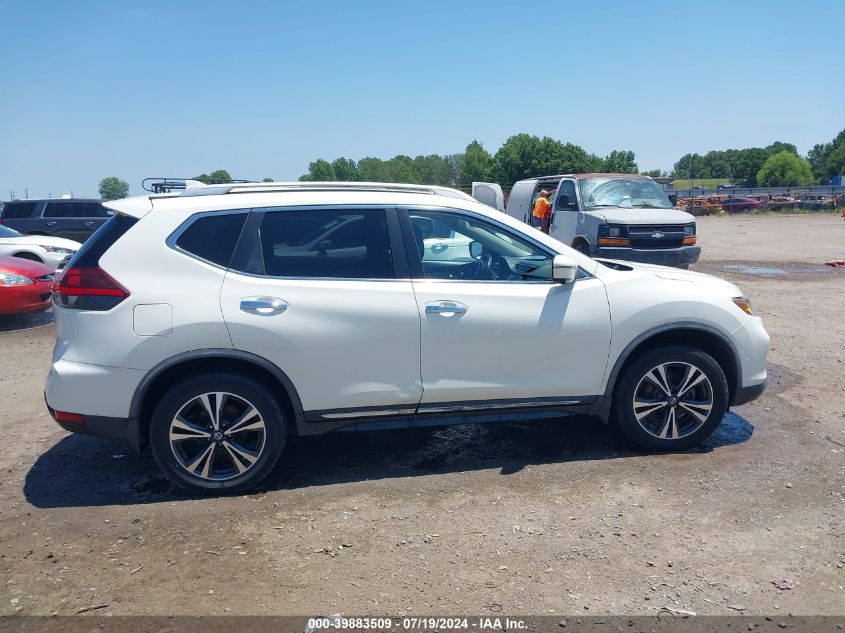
(101, 395)
(125, 429)
(683, 255)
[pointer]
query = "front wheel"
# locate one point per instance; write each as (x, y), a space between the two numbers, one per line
(582, 247)
(671, 398)
(217, 433)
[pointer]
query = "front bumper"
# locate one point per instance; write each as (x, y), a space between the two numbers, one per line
(30, 298)
(682, 256)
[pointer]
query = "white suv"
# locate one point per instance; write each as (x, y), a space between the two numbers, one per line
(212, 324)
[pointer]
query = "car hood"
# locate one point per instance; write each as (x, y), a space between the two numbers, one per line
(677, 274)
(25, 267)
(619, 215)
(44, 240)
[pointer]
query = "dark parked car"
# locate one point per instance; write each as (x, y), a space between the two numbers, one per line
(735, 205)
(73, 218)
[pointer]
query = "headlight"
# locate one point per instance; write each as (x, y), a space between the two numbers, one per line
(745, 305)
(612, 235)
(11, 279)
(689, 229)
(59, 250)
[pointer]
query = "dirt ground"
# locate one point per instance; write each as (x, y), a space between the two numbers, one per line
(545, 518)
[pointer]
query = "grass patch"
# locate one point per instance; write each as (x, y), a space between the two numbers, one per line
(710, 183)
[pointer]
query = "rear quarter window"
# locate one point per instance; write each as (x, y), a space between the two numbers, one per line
(213, 237)
(17, 210)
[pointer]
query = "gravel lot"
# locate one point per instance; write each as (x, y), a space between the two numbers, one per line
(546, 518)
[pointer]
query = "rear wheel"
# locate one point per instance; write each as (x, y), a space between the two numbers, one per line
(217, 433)
(671, 398)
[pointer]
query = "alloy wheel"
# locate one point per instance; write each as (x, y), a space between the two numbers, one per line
(673, 400)
(217, 436)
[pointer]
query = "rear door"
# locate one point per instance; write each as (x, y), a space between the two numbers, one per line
(73, 219)
(489, 193)
(325, 295)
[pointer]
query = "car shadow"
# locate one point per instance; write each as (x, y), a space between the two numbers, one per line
(28, 321)
(86, 471)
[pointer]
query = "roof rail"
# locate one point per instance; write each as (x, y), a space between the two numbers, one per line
(166, 185)
(268, 187)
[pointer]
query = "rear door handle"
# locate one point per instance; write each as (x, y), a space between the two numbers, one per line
(446, 308)
(263, 305)
(89, 224)
(51, 224)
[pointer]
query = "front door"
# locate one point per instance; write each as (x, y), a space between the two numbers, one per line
(565, 212)
(319, 296)
(494, 326)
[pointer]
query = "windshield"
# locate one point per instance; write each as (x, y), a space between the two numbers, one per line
(629, 193)
(5, 231)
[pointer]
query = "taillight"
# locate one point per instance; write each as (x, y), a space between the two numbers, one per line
(88, 289)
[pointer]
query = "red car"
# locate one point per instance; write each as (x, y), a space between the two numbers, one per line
(735, 204)
(25, 285)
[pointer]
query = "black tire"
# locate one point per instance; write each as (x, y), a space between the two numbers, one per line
(30, 256)
(264, 444)
(657, 424)
(582, 247)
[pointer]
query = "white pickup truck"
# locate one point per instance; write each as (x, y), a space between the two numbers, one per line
(612, 216)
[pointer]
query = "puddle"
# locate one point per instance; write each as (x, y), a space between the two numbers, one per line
(772, 271)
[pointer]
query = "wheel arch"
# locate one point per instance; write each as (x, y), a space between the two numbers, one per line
(25, 254)
(166, 373)
(703, 337)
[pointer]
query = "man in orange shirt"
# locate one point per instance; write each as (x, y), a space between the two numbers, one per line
(543, 211)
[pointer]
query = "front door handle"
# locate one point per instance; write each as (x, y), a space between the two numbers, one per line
(51, 224)
(265, 306)
(446, 308)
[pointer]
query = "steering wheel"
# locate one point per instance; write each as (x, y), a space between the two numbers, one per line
(484, 267)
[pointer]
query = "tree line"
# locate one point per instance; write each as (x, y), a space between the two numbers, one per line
(521, 156)
(525, 155)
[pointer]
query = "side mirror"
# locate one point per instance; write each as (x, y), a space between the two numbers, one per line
(563, 201)
(475, 249)
(564, 269)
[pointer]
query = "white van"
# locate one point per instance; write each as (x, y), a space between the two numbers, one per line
(612, 216)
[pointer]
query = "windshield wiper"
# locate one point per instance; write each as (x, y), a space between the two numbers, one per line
(649, 206)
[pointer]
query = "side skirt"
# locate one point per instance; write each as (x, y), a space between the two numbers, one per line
(445, 413)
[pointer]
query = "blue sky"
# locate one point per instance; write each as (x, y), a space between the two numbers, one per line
(135, 89)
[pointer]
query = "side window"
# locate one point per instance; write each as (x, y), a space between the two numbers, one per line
(476, 250)
(213, 237)
(95, 210)
(567, 188)
(15, 210)
(65, 210)
(328, 243)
